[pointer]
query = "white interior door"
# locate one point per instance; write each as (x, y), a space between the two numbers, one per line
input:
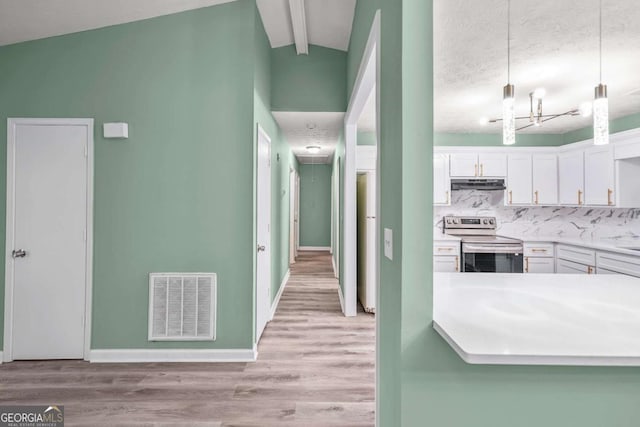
(47, 250)
(297, 214)
(263, 279)
(372, 250)
(292, 216)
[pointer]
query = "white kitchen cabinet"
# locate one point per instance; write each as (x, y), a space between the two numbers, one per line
(441, 180)
(599, 176)
(519, 179)
(569, 267)
(473, 165)
(617, 263)
(571, 178)
(539, 257)
(545, 179)
(492, 164)
(446, 256)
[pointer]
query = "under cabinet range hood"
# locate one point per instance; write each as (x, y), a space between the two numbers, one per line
(478, 184)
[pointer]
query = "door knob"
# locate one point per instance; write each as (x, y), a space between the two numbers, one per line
(19, 253)
(261, 248)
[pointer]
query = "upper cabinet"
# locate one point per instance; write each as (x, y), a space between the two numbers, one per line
(571, 177)
(478, 165)
(545, 179)
(441, 180)
(599, 176)
(519, 179)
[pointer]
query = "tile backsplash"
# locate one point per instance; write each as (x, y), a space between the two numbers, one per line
(569, 222)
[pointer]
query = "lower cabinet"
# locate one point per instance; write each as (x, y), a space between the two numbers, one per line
(539, 257)
(446, 256)
(539, 265)
(564, 266)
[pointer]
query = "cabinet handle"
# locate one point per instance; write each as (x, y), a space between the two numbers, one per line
(609, 194)
(510, 197)
(579, 197)
(444, 249)
(457, 262)
(539, 250)
(475, 170)
(526, 265)
(589, 270)
(448, 198)
(537, 199)
(481, 169)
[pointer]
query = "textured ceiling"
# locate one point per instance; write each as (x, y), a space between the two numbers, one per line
(329, 22)
(554, 45)
(22, 20)
(304, 129)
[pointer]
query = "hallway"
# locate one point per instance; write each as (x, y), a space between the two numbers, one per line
(315, 368)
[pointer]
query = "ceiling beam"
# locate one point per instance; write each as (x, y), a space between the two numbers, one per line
(299, 25)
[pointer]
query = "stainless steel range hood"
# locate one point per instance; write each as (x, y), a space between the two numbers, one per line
(478, 184)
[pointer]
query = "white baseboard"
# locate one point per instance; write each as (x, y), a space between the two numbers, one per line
(335, 270)
(276, 301)
(341, 298)
(173, 355)
(315, 248)
(1, 358)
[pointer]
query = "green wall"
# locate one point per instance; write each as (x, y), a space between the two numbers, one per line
(315, 205)
(367, 138)
(617, 125)
(436, 387)
(282, 159)
(313, 82)
(163, 198)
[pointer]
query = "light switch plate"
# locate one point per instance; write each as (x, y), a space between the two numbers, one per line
(388, 243)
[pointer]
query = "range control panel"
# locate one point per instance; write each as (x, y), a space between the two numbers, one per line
(469, 222)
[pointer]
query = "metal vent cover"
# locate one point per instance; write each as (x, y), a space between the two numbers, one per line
(182, 306)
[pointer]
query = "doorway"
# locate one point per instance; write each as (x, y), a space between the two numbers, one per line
(263, 232)
(294, 214)
(49, 239)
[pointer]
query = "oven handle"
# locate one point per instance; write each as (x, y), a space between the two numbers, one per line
(492, 249)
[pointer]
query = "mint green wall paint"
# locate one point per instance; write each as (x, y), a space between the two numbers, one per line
(175, 196)
(391, 197)
(315, 205)
(618, 125)
(313, 82)
(367, 138)
(487, 140)
(281, 159)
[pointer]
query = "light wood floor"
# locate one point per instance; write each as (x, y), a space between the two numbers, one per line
(315, 368)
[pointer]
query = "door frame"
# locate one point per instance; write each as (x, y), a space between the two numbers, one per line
(292, 215)
(261, 132)
(12, 123)
(367, 80)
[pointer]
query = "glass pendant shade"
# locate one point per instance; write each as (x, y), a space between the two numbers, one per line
(508, 116)
(601, 116)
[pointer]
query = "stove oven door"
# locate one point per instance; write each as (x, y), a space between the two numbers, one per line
(492, 258)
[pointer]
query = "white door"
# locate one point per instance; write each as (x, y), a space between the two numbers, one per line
(372, 249)
(492, 164)
(292, 216)
(464, 165)
(48, 253)
(598, 176)
(263, 215)
(571, 178)
(519, 179)
(441, 180)
(297, 214)
(545, 179)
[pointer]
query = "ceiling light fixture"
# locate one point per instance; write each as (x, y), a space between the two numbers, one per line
(508, 93)
(601, 104)
(313, 149)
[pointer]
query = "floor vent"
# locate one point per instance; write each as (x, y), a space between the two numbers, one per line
(182, 306)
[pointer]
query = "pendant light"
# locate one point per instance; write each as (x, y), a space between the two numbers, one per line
(508, 93)
(601, 104)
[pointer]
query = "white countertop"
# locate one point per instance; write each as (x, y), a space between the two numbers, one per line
(539, 319)
(438, 236)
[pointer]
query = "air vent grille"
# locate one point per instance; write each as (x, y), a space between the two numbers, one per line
(182, 306)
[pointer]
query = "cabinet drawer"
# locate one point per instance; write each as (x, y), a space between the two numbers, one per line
(570, 267)
(446, 248)
(539, 265)
(539, 250)
(446, 264)
(624, 264)
(576, 254)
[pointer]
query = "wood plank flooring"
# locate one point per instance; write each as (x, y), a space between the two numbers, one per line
(315, 368)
